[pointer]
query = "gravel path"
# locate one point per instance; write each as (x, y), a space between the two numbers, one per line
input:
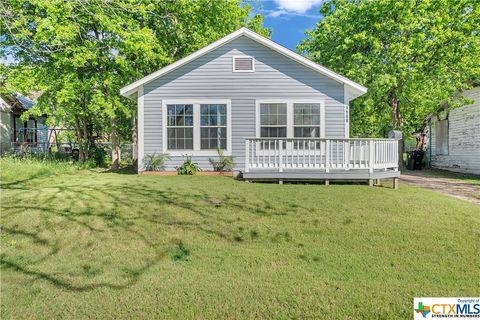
(447, 184)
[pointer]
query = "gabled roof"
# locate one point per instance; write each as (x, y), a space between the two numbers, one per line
(355, 89)
(17, 101)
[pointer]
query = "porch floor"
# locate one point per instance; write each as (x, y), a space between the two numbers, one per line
(319, 174)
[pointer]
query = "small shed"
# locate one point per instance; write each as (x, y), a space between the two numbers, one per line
(455, 137)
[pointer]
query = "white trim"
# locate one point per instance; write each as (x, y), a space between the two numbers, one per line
(4, 106)
(244, 56)
(358, 89)
(346, 105)
(257, 118)
(322, 119)
(290, 119)
(196, 127)
(141, 129)
(290, 114)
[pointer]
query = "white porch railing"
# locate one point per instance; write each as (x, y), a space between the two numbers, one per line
(324, 154)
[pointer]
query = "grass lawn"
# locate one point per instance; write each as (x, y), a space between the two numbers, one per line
(84, 244)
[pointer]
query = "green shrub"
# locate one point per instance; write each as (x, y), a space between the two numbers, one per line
(88, 164)
(188, 167)
(98, 155)
(222, 163)
(155, 162)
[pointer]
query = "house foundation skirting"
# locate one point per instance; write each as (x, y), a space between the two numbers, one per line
(266, 174)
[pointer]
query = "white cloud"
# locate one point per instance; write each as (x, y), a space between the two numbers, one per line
(296, 6)
(277, 13)
(285, 14)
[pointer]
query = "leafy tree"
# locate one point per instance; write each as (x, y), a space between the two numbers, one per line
(411, 54)
(79, 53)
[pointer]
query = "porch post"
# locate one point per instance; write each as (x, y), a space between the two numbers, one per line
(371, 155)
(395, 183)
(347, 154)
(397, 135)
(247, 155)
(399, 158)
(327, 156)
(280, 156)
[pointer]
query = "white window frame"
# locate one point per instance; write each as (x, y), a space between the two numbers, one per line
(259, 122)
(346, 103)
(196, 127)
(290, 114)
(242, 71)
(307, 126)
(184, 126)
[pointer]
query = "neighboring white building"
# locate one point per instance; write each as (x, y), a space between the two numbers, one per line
(6, 129)
(455, 138)
(31, 135)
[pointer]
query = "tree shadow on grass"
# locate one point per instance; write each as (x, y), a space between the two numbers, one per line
(137, 214)
(67, 285)
(17, 183)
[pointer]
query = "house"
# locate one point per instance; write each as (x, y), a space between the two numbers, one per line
(454, 138)
(18, 135)
(279, 114)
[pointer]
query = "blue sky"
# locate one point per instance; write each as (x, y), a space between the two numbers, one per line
(289, 19)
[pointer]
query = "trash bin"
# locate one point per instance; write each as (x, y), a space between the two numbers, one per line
(75, 154)
(415, 160)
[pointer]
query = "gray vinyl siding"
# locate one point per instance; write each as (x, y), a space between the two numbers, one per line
(463, 138)
(243, 126)
(211, 77)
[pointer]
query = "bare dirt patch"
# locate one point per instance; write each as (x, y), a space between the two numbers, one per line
(444, 182)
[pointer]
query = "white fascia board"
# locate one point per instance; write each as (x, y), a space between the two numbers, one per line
(4, 106)
(357, 91)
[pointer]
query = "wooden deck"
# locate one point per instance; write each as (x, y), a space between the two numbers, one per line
(320, 159)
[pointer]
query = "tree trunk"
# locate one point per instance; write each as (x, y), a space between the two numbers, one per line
(87, 137)
(397, 120)
(82, 149)
(114, 139)
(134, 140)
(422, 137)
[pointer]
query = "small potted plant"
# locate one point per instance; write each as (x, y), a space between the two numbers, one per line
(188, 168)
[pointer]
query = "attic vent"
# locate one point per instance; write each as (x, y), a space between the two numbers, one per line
(243, 64)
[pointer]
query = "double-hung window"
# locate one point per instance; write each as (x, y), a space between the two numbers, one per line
(291, 118)
(213, 126)
(180, 126)
(273, 120)
(196, 127)
(306, 120)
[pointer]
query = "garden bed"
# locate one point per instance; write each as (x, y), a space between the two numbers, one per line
(200, 173)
